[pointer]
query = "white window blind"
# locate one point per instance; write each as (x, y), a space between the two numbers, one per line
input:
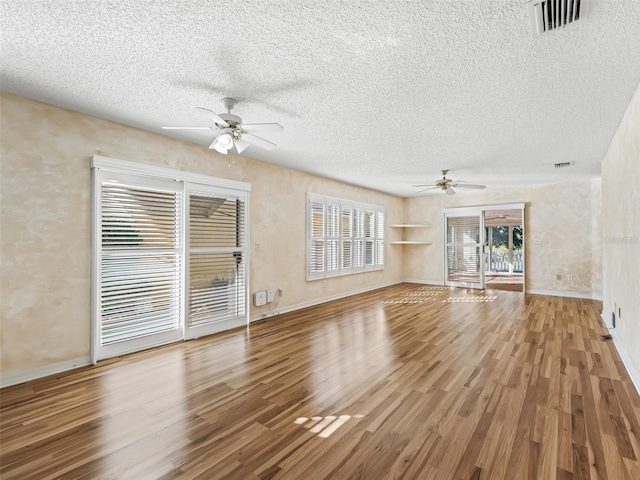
(463, 249)
(169, 256)
(140, 261)
(344, 237)
(217, 286)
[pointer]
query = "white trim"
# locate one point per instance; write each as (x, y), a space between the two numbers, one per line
(556, 293)
(466, 210)
(635, 378)
(27, 374)
(311, 303)
(145, 169)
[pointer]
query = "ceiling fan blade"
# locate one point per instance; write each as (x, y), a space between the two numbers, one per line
(213, 115)
(240, 145)
(425, 185)
(260, 142)
(262, 127)
(469, 185)
(450, 191)
(186, 128)
(425, 189)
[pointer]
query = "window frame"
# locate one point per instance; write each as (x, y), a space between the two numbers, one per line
(361, 234)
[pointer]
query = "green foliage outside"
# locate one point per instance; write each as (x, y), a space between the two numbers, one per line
(500, 239)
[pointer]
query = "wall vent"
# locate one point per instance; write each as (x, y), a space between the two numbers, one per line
(565, 164)
(548, 15)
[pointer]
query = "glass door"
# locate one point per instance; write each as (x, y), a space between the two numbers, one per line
(216, 261)
(464, 248)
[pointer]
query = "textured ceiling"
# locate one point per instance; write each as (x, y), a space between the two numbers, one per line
(380, 93)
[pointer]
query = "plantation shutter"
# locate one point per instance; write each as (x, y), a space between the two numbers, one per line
(217, 266)
(316, 243)
(343, 237)
(347, 237)
(333, 237)
(140, 264)
(358, 234)
(369, 229)
(379, 239)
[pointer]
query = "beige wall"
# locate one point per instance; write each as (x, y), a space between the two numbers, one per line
(45, 244)
(45, 228)
(621, 233)
(560, 216)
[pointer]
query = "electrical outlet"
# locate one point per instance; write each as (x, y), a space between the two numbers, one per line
(570, 278)
(270, 296)
(260, 298)
(558, 276)
(281, 292)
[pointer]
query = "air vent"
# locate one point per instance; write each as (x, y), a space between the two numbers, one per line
(565, 164)
(548, 15)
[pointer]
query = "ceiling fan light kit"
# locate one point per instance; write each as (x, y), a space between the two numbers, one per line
(446, 184)
(231, 135)
(223, 143)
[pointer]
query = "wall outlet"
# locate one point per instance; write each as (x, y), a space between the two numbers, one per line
(558, 276)
(260, 298)
(281, 292)
(570, 278)
(270, 296)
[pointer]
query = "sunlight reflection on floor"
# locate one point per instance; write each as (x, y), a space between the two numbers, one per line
(324, 426)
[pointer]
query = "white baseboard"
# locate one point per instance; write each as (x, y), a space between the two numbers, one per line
(557, 293)
(438, 283)
(311, 303)
(26, 374)
(635, 378)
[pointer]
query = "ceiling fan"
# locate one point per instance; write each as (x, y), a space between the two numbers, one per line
(447, 185)
(230, 133)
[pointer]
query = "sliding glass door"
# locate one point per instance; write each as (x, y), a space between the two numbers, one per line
(140, 258)
(169, 257)
(216, 252)
(463, 243)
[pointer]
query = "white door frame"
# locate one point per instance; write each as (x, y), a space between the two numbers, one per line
(469, 211)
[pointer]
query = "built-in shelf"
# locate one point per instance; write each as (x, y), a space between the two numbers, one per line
(411, 242)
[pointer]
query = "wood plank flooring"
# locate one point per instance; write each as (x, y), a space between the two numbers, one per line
(406, 382)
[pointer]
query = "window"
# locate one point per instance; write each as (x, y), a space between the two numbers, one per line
(344, 237)
(169, 259)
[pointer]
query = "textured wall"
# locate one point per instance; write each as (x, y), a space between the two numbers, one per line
(621, 232)
(45, 244)
(559, 216)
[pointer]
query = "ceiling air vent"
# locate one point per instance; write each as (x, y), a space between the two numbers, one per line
(565, 164)
(548, 15)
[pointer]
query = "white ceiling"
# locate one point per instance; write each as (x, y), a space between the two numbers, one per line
(381, 94)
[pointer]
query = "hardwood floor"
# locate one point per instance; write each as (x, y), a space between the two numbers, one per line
(406, 382)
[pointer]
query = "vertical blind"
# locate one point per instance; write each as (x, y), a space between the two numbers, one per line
(141, 261)
(217, 287)
(343, 237)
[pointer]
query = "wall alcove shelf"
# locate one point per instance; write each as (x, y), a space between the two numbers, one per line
(410, 242)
